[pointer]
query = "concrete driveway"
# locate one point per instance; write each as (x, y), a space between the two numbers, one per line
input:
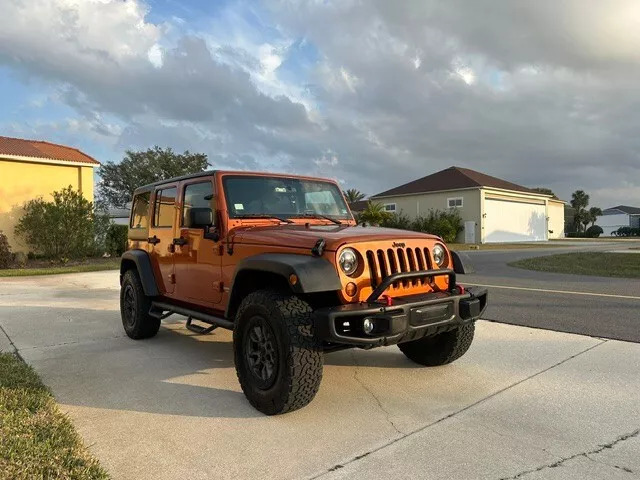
(523, 403)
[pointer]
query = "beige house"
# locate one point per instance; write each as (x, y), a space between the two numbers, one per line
(493, 210)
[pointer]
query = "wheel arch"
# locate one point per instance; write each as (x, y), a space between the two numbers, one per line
(314, 275)
(140, 261)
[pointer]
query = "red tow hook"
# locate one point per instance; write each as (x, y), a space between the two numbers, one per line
(387, 299)
(461, 289)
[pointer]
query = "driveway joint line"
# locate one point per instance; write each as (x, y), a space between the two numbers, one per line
(586, 455)
(13, 345)
(451, 415)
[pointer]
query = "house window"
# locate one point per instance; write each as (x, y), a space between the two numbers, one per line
(455, 202)
(390, 207)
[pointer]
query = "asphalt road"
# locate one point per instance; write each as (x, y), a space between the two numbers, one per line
(596, 306)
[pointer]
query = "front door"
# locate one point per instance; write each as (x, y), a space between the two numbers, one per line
(161, 235)
(198, 260)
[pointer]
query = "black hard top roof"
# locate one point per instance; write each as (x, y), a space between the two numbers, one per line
(151, 186)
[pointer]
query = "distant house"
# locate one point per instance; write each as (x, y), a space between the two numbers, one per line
(33, 168)
(616, 217)
(493, 210)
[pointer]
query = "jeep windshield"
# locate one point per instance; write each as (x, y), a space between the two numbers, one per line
(283, 197)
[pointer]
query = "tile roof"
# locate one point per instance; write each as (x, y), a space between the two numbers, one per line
(626, 209)
(453, 178)
(40, 149)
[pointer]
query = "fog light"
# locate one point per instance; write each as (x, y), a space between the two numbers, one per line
(368, 326)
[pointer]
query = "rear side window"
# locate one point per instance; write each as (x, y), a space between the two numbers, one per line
(140, 211)
(164, 207)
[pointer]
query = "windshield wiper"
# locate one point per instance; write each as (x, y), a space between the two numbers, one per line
(317, 215)
(264, 215)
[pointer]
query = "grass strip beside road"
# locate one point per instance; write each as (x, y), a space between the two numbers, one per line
(602, 264)
(36, 439)
(112, 264)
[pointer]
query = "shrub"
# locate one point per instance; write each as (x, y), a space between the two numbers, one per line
(447, 225)
(628, 232)
(62, 228)
(6, 257)
(116, 241)
(398, 220)
(594, 231)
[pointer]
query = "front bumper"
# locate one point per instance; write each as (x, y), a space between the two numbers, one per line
(408, 318)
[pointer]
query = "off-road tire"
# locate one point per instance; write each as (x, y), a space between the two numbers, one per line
(137, 322)
(298, 374)
(440, 349)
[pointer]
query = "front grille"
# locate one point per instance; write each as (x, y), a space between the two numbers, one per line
(383, 263)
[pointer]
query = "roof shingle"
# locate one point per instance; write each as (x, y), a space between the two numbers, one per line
(626, 209)
(40, 149)
(453, 178)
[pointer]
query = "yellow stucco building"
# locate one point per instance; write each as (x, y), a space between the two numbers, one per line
(31, 169)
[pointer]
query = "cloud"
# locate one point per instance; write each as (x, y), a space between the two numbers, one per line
(373, 93)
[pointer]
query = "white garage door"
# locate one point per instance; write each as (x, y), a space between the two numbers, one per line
(508, 221)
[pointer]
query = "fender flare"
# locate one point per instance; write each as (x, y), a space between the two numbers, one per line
(143, 264)
(462, 263)
(315, 274)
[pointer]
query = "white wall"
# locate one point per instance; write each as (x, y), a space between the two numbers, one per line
(611, 223)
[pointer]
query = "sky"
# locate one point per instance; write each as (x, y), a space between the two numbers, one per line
(371, 93)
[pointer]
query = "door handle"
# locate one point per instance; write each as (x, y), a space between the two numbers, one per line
(180, 241)
(153, 240)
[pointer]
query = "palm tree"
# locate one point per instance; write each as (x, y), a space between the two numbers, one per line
(579, 202)
(374, 214)
(594, 213)
(354, 195)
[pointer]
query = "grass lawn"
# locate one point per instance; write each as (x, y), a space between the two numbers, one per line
(36, 439)
(625, 265)
(42, 268)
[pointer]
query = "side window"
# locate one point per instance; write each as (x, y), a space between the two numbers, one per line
(455, 202)
(389, 207)
(140, 211)
(164, 207)
(198, 207)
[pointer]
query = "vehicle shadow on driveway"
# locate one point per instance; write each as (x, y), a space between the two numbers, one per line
(89, 362)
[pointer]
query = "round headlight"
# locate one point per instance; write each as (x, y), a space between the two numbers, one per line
(440, 256)
(348, 261)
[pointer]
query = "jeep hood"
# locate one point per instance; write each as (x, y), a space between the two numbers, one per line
(300, 236)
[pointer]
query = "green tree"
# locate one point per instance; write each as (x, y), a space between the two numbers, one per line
(594, 213)
(354, 195)
(545, 191)
(580, 202)
(375, 214)
(62, 228)
(119, 180)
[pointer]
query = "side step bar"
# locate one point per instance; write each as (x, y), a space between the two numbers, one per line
(158, 308)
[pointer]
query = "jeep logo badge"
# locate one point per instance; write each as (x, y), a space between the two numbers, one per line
(398, 244)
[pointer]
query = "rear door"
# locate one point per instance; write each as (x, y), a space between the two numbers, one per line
(198, 260)
(161, 235)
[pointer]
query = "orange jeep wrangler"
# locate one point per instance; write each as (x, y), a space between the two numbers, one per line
(280, 260)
